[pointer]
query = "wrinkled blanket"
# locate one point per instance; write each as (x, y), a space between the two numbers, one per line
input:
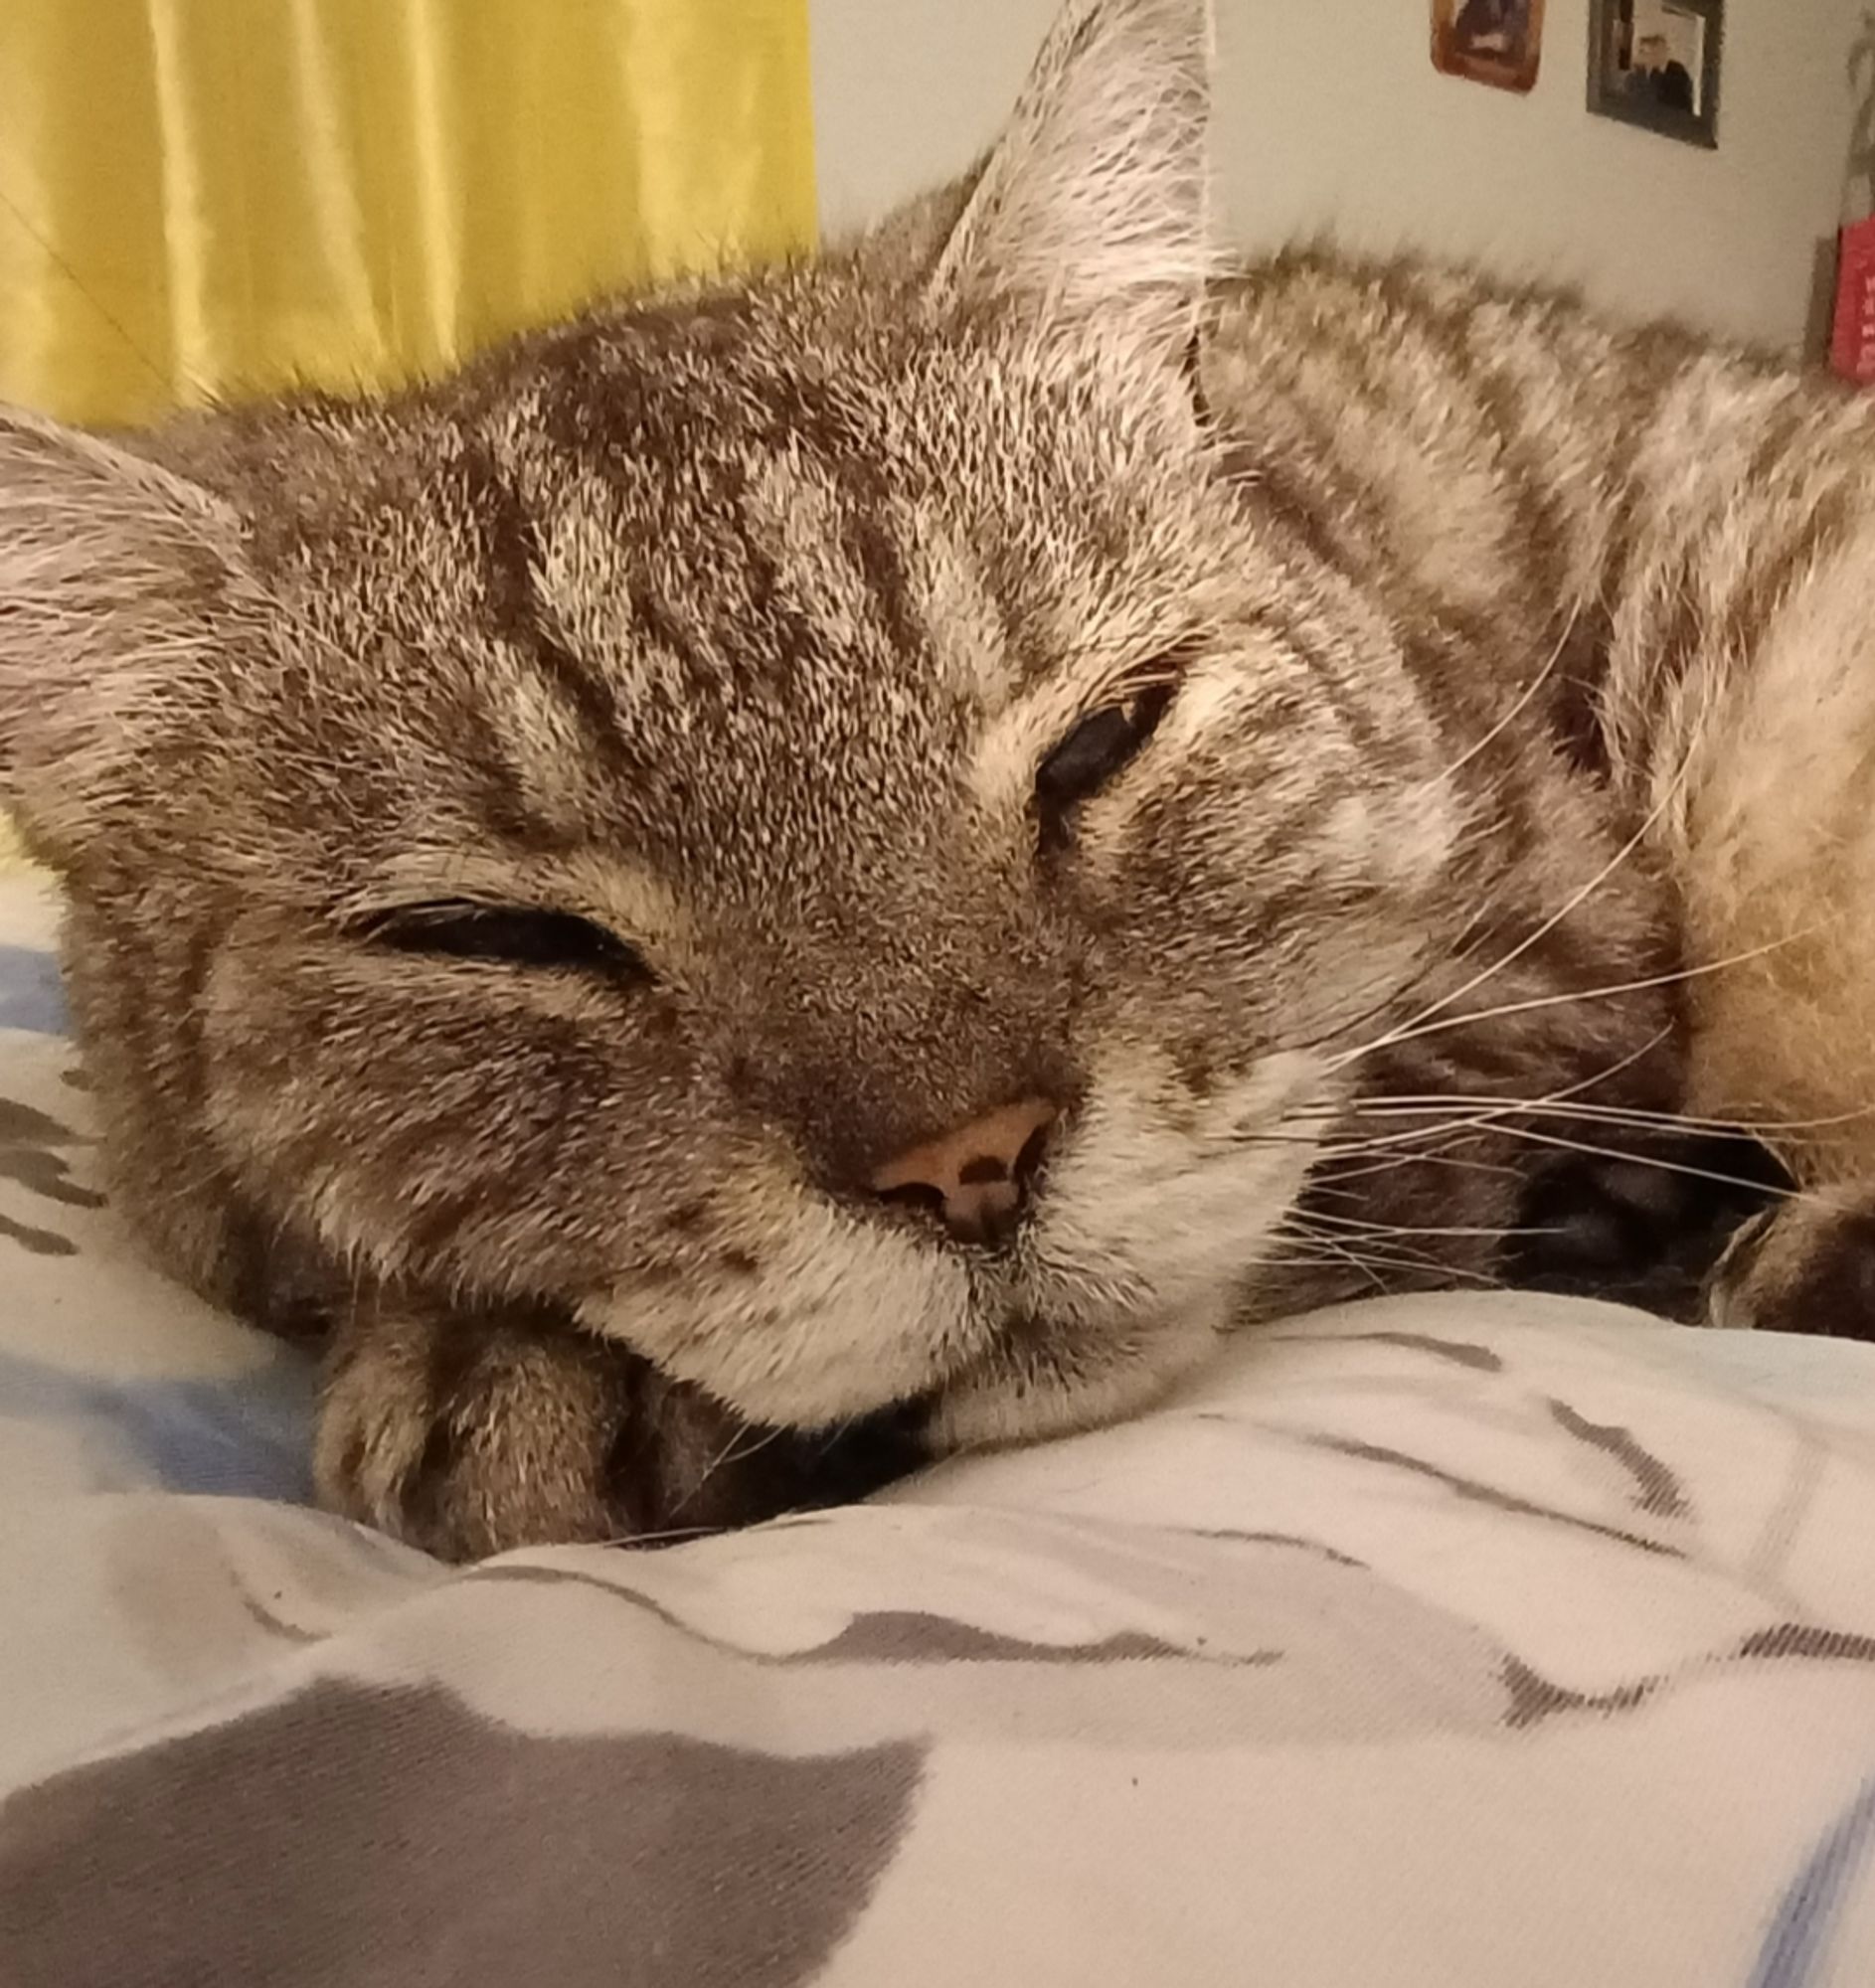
(1472, 1642)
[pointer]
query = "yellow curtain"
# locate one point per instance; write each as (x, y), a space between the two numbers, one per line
(217, 198)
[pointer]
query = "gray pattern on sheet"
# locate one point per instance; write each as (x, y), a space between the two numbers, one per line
(360, 1833)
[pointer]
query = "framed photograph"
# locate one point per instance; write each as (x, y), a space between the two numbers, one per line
(1655, 63)
(1499, 42)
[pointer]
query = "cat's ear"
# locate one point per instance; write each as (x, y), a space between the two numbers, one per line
(114, 573)
(1095, 201)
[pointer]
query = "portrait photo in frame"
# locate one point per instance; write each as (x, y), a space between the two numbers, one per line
(1498, 42)
(1655, 63)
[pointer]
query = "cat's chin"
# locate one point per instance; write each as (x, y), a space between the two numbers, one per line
(1040, 1383)
(833, 1319)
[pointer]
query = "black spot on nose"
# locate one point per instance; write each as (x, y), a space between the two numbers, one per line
(915, 1194)
(976, 1177)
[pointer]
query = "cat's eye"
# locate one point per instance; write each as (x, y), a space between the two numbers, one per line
(1092, 752)
(504, 934)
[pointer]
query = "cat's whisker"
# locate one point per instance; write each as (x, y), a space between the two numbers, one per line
(764, 1439)
(1390, 1248)
(1489, 739)
(1358, 1106)
(1470, 937)
(1343, 1112)
(833, 1434)
(1336, 1257)
(1332, 1182)
(727, 1454)
(1472, 1018)
(1494, 1230)
(1508, 1128)
(1411, 1032)
(1449, 1128)
(1312, 1140)
(1367, 1256)
(1612, 1114)
(663, 1536)
(1504, 1123)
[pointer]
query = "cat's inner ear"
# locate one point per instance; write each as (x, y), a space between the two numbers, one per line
(1095, 201)
(114, 575)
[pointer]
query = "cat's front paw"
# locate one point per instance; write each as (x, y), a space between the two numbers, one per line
(467, 1433)
(1805, 1264)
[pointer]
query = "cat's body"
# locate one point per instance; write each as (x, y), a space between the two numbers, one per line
(1279, 758)
(1697, 530)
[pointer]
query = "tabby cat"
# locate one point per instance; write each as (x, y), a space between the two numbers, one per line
(799, 873)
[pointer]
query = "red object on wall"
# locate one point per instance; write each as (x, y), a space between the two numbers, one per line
(1852, 348)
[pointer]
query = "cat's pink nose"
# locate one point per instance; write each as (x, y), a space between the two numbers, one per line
(977, 1176)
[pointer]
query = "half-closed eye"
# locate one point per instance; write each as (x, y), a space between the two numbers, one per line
(1097, 750)
(504, 935)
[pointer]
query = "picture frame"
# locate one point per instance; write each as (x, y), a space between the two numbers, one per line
(1655, 63)
(1495, 42)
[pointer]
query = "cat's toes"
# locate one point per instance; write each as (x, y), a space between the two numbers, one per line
(1804, 1265)
(470, 1433)
(464, 1439)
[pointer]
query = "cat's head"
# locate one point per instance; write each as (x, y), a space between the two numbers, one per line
(702, 815)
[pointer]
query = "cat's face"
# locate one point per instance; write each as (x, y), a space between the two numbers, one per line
(795, 671)
(622, 801)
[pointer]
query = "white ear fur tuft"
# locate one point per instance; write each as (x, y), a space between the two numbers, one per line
(1096, 201)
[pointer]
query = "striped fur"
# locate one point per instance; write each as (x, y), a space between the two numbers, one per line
(1518, 672)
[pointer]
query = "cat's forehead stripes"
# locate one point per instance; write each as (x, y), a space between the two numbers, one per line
(754, 575)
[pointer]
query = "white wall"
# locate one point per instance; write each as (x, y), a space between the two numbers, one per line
(1386, 150)
(1333, 116)
(907, 91)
